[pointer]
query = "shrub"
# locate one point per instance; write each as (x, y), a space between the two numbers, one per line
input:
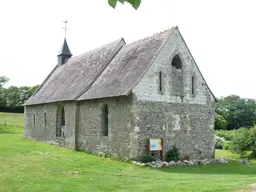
(219, 142)
(173, 154)
(227, 135)
(226, 145)
(146, 158)
(242, 142)
(253, 154)
(253, 136)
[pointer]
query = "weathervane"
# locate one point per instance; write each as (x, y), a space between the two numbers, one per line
(65, 28)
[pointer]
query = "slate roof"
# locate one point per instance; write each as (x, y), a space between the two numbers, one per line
(72, 78)
(127, 67)
(109, 71)
(65, 49)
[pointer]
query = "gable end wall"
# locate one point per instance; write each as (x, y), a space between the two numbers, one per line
(185, 121)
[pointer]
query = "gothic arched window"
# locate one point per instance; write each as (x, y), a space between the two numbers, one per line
(60, 124)
(177, 76)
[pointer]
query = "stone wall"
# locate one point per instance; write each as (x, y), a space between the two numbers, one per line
(46, 130)
(90, 136)
(148, 87)
(189, 127)
(179, 116)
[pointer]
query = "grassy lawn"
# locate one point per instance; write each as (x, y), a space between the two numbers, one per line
(27, 165)
(12, 118)
(228, 154)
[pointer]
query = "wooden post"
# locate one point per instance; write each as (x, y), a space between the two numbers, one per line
(162, 151)
(148, 146)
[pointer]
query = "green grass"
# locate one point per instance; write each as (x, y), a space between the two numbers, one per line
(12, 118)
(32, 166)
(228, 154)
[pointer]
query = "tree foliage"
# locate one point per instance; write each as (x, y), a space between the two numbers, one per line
(3, 80)
(244, 141)
(14, 96)
(236, 111)
(134, 3)
(220, 122)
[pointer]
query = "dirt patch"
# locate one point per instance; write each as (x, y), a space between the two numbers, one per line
(253, 187)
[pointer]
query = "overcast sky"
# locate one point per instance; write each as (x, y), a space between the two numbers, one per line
(221, 35)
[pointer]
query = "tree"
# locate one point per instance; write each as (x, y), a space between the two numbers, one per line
(17, 96)
(3, 81)
(14, 96)
(238, 112)
(220, 122)
(134, 3)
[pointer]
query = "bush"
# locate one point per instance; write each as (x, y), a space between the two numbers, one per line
(227, 135)
(253, 154)
(242, 142)
(146, 158)
(219, 142)
(173, 154)
(226, 145)
(253, 147)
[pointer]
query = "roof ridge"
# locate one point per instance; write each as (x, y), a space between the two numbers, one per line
(95, 49)
(154, 34)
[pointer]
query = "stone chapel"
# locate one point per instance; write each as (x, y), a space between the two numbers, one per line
(114, 98)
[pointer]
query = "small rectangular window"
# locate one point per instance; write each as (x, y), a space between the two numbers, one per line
(160, 81)
(105, 120)
(44, 119)
(34, 119)
(193, 85)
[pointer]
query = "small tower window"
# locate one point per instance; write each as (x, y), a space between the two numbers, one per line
(44, 119)
(193, 85)
(34, 119)
(160, 81)
(105, 120)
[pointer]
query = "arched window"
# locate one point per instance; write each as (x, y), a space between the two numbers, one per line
(60, 124)
(176, 62)
(177, 76)
(105, 120)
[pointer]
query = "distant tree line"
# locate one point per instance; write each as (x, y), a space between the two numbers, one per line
(14, 97)
(234, 112)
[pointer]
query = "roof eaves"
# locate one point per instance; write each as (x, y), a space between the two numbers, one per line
(42, 84)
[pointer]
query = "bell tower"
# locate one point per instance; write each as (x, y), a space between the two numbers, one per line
(64, 53)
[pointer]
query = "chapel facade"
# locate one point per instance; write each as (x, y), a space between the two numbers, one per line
(114, 98)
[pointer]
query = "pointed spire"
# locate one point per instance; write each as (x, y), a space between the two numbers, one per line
(64, 53)
(65, 49)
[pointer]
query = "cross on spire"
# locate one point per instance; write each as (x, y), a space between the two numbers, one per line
(65, 28)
